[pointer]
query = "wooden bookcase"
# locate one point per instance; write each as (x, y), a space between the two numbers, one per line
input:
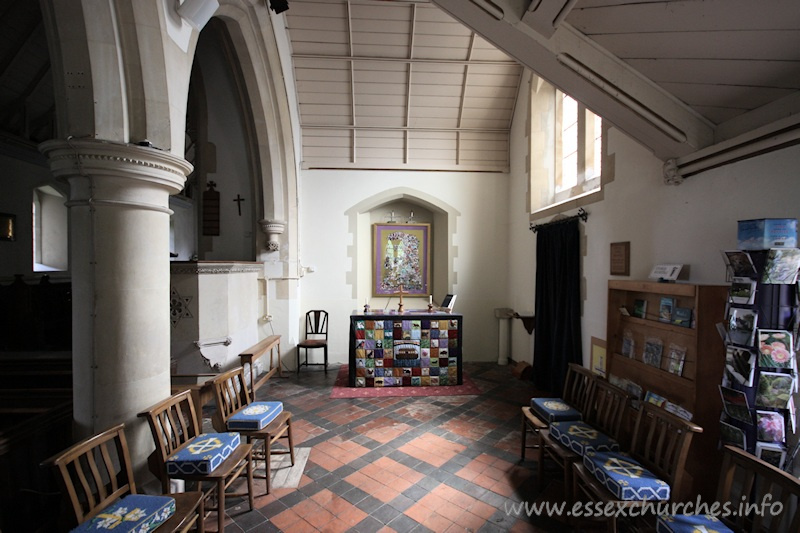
(696, 389)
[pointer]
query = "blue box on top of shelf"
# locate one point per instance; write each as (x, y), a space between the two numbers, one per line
(764, 233)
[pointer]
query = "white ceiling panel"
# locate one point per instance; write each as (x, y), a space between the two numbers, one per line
(406, 82)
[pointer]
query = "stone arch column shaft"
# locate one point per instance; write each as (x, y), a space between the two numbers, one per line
(119, 256)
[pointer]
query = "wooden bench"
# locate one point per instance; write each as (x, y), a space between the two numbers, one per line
(202, 393)
(269, 345)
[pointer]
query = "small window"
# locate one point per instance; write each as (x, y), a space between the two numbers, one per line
(566, 148)
(50, 230)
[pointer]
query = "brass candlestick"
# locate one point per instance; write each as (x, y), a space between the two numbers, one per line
(400, 305)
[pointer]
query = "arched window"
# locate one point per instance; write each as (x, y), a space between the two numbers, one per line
(566, 148)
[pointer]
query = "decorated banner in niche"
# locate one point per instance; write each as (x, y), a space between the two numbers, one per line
(401, 258)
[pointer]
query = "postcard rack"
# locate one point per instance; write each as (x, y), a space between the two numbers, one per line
(759, 387)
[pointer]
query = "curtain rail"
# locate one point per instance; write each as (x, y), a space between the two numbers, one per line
(582, 214)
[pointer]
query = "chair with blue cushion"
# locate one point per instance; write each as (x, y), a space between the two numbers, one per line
(652, 470)
(265, 421)
(97, 478)
(745, 480)
(565, 442)
(184, 452)
(537, 415)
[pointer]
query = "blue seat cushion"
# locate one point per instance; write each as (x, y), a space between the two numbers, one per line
(580, 437)
(138, 513)
(255, 416)
(202, 454)
(682, 523)
(624, 477)
(554, 409)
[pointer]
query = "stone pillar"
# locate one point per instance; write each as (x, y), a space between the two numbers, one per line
(119, 261)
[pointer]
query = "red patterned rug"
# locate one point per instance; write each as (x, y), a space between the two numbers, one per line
(341, 390)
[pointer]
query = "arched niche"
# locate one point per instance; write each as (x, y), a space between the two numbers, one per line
(440, 215)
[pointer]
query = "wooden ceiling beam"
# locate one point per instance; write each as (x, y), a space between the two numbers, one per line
(604, 83)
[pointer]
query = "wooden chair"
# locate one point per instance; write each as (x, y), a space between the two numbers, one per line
(232, 397)
(658, 451)
(576, 391)
(566, 442)
(97, 471)
(745, 480)
(174, 426)
(316, 337)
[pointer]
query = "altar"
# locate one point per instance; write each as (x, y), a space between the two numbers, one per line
(405, 349)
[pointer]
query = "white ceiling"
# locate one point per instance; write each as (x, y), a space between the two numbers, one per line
(400, 84)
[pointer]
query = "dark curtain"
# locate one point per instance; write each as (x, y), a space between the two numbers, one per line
(557, 339)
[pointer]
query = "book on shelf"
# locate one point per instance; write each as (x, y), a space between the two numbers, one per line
(665, 309)
(640, 308)
(628, 344)
(781, 266)
(653, 347)
(678, 411)
(655, 399)
(676, 356)
(682, 316)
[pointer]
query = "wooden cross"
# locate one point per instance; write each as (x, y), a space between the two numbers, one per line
(239, 201)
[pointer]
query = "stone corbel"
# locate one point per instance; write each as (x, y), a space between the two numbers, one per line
(672, 174)
(273, 228)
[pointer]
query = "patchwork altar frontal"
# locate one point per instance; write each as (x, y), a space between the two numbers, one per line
(410, 349)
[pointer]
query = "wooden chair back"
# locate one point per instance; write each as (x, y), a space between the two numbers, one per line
(173, 422)
(316, 325)
(660, 442)
(231, 395)
(577, 386)
(607, 408)
(747, 480)
(95, 472)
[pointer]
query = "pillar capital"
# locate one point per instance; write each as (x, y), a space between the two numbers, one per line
(83, 159)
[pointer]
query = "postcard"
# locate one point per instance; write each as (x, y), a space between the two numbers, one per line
(739, 263)
(774, 390)
(735, 404)
(732, 435)
(742, 325)
(740, 364)
(781, 266)
(770, 426)
(743, 291)
(773, 454)
(775, 348)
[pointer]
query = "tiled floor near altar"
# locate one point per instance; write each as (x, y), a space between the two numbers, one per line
(441, 464)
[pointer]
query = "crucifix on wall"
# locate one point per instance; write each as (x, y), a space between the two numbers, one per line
(239, 201)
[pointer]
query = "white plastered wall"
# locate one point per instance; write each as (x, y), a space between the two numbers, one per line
(340, 252)
(687, 224)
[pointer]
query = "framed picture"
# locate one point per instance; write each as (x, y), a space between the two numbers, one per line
(620, 258)
(401, 258)
(772, 453)
(8, 230)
